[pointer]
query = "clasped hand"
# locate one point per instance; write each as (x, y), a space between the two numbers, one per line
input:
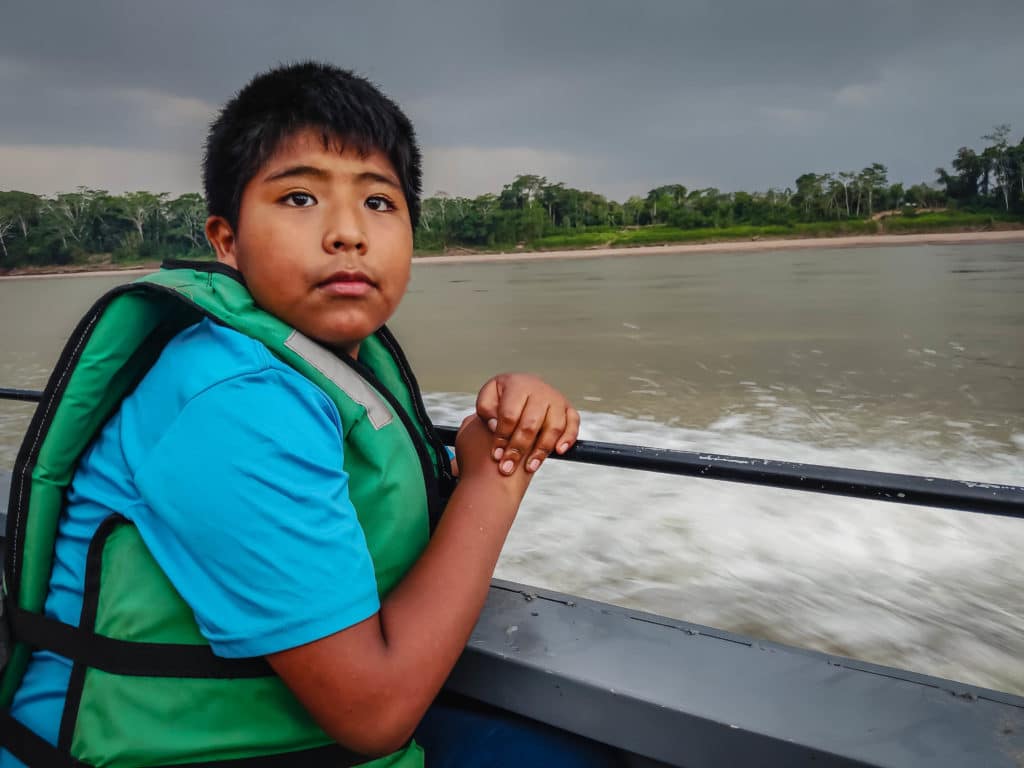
(528, 418)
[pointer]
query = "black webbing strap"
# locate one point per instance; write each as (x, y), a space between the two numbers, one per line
(124, 657)
(328, 756)
(31, 748)
(36, 752)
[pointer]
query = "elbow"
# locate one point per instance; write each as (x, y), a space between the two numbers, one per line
(374, 744)
(378, 732)
(378, 745)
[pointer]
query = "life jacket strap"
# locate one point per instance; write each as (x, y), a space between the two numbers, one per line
(126, 657)
(36, 752)
(123, 657)
(328, 756)
(31, 748)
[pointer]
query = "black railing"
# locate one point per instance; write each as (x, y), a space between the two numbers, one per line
(988, 498)
(24, 395)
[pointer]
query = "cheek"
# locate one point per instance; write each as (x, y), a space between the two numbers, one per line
(265, 242)
(273, 249)
(273, 278)
(394, 249)
(400, 279)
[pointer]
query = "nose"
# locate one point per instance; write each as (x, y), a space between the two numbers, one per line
(344, 231)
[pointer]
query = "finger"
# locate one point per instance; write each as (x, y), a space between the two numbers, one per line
(571, 432)
(510, 408)
(487, 403)
(554, 427)
(522, 441)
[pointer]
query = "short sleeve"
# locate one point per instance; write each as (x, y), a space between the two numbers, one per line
(246, 509)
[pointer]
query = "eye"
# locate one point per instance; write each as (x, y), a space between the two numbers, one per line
(379, 203)
(299, 199)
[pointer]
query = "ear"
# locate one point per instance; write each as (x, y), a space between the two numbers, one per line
(222, 238)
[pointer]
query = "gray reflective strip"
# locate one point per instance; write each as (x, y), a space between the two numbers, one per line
(344, 377)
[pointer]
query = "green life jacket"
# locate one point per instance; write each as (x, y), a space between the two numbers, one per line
(145, 687)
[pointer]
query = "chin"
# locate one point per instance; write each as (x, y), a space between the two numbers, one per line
(342, 339)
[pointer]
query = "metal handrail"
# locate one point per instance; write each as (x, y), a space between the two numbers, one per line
(24, 395)
(987, 498)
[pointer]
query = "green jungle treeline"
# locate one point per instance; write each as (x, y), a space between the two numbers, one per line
(984, 188)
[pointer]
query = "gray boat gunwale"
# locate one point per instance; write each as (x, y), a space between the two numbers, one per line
(559, 659)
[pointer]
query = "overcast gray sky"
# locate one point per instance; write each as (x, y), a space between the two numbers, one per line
(614, 97)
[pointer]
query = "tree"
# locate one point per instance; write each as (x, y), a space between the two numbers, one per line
(874, 179)
(809, 193)
(667, 198)
(137, 208)
(1016, 155)
(552, 197)
(441, 201)
(73, 214)
(969, 168)
(924, 196)
(832, 193)
(187, 216)
(23, 207)
(522, 191)
(6, 227)
(895, 196)
(633, 209)
(1002, 164)
(19, 216)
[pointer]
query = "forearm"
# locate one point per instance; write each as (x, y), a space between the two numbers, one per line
(428, 618)
(369, 685)
(445, 590)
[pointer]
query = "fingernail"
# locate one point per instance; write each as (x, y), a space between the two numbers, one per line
(498, 452)
(507, 467)
(492, 424)
(533, 465)
(563, 448)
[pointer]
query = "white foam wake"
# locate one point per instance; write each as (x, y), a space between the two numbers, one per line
(932, 590)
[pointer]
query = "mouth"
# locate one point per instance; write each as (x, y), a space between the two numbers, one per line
(347, 283)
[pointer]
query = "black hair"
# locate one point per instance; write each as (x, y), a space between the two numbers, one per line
(347, 110)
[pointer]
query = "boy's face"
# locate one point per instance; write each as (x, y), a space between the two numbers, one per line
(324, 240)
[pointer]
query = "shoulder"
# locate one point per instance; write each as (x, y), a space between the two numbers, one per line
(221, 377)
(215, 352)
(206, 356)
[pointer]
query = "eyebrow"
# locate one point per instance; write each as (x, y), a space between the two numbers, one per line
(320, 173)
(378, 177)
(298, 170)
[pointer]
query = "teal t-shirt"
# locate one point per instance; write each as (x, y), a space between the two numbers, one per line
(229, 463)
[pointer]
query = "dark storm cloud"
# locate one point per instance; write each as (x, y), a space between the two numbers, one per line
(744, 93)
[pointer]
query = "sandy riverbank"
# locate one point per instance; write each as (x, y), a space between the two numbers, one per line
(78, 272)
(735, 246)
(725, 246)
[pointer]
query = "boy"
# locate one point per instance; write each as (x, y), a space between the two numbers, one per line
(257, 476)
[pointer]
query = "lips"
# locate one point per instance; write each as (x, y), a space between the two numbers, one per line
(347, 283)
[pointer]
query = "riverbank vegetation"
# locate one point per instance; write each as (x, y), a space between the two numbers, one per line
(982, 190)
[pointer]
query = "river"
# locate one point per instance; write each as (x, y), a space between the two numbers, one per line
(907, 359)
